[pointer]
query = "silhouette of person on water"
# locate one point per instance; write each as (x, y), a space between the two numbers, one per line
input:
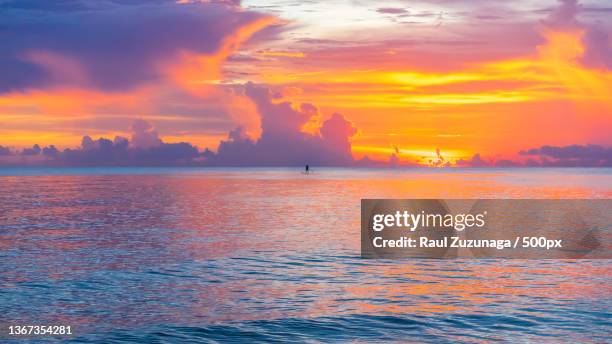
(307, 169)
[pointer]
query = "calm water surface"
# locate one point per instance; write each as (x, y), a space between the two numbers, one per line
(246, 255)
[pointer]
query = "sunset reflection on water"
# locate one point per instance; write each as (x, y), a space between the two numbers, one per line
(223, 253)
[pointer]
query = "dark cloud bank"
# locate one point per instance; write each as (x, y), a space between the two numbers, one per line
(282, 143)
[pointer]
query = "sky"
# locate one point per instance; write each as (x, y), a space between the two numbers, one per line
(272, 83)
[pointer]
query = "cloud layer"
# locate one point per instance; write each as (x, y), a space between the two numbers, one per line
(144, 149)
(549, 156)
(295, 148)
(283, 142)
(106, 44)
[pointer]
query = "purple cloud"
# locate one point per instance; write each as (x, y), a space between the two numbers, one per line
(572, 156)
(550, 156)
(143, 135)
(35, 150)
(564, 15)
(122, 152)
(106, 44)
(301, 148)
(282, 141)
(50, 152)
(598, 50)
(145, 149)
(4, 151)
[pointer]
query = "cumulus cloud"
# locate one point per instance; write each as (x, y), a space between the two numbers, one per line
(50, 152)
(35, 150)
(143, 135)
(107, 45)
(283, 141)
(146, 149)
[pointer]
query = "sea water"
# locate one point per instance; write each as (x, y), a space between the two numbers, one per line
(244, 255)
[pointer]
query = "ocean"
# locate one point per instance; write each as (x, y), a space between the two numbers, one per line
(173, 255)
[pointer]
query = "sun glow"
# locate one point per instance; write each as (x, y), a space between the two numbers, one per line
(483, 94)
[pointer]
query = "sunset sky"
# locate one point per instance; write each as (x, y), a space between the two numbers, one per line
(417, 82)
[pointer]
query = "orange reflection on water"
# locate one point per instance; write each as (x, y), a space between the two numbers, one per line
(214, 246)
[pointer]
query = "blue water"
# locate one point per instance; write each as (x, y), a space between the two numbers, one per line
(271, 255)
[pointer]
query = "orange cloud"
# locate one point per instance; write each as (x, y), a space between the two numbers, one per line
(197, 72)
(51, 110)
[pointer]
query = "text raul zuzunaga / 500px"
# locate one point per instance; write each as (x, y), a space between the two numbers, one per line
(429, 228)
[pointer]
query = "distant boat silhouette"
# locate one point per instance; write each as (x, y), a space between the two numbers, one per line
(307, 169)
